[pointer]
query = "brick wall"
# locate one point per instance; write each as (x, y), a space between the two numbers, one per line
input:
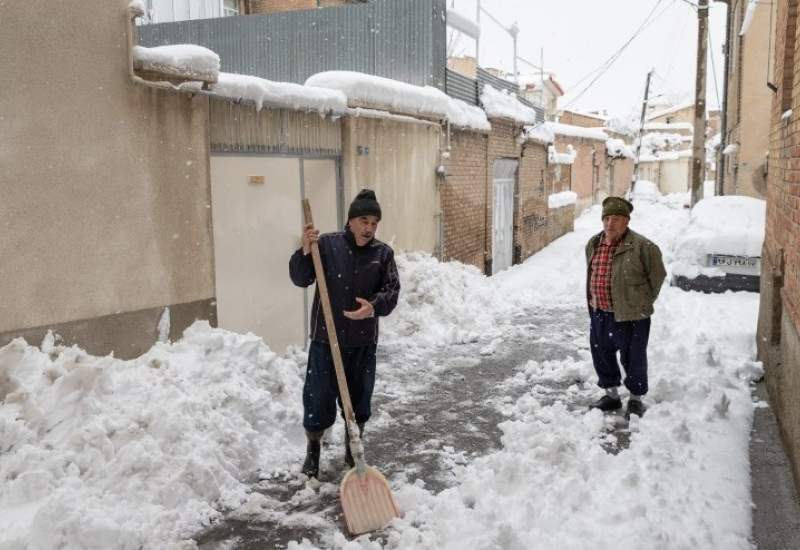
(272, 6)
(778, 337)
(464, 199)
(589, 168)
(619, 172)
(534, 187)
(580, 119)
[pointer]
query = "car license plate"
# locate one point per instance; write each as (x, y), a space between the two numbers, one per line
(720, 260)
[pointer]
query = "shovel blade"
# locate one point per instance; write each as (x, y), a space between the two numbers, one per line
(367, 501)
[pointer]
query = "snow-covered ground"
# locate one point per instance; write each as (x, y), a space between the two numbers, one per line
(102, 453)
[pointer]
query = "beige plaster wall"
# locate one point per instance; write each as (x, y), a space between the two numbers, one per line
(105, 188)
(400, 165)
(751, 130)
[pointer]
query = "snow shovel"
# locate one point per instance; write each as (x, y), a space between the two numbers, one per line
(367, 500)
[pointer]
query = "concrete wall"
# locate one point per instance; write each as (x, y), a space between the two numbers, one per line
(749, 104)
(105, 184)
(397, 159)
(675, 175)
(619, 172)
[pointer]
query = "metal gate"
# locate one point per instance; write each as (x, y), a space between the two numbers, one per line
(257, 221)
(504, 176)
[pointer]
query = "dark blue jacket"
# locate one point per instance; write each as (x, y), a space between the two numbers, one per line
(351, 271)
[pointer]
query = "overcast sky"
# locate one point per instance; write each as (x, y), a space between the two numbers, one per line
(578, 36)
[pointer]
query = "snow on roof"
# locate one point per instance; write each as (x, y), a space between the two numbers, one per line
(730, 149)
(138, 6)
(463, 24)
(618, 148)
(365, 90)
(565, 198)
(748, 16)
(378, 93)
(540, 133)
(279, 94)
(554, 157)
(501, 104)
(576, 131)
(463, 115)
(674, 126)
(670, 110)
(184, 60)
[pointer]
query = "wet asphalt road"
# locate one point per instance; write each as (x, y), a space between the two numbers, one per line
(456, 413)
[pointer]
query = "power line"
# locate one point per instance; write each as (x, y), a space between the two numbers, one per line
(609, 62)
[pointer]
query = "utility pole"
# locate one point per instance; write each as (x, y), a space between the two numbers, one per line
(699, 139)
(641, 131)
(478, 39)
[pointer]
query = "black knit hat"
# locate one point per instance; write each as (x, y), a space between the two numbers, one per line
(365, 204)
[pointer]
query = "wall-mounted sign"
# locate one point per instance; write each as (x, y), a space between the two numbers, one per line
(256, 180)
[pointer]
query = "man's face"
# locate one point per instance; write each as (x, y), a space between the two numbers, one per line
(614, 226)
(363, 228)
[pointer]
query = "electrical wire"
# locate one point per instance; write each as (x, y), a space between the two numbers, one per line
(616, 55)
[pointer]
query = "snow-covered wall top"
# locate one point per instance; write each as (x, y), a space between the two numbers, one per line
(560, 129)
(279, 94)
(565, 198)
(554, 157)
(540, 132)
(615, 147)
(375, 92)
(463, 24)
(669, 126)
(188, 59)
(501, 104)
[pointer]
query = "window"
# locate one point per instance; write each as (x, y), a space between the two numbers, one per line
(230, 7)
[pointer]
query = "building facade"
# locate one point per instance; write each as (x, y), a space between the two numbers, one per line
(778, 337)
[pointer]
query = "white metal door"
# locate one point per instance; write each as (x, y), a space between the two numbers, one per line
(504, 178)
(257, 221)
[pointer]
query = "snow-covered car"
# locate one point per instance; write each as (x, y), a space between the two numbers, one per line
(721, 247)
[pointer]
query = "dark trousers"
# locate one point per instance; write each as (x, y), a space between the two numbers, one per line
(629, 338)
(321, 392)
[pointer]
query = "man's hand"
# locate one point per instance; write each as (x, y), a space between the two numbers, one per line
(366, 310)
(310, 235)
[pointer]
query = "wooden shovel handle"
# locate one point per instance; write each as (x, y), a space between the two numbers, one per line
(333, 340)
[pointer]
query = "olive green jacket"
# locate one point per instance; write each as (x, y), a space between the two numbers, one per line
(637, 273)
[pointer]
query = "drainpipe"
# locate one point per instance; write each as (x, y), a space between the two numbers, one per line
(723, 126)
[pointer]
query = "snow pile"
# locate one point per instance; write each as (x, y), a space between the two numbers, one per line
(501, 104)
(375, 92)
(187, 60)
(539, 133)
(711, 231)
(442, 303)
(576, 131)
(103, 453)
(554, 157)
(565, 198)
(645, 190)
(279, 94)
(748, 16)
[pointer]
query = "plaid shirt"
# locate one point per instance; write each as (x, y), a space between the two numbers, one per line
(600, 281)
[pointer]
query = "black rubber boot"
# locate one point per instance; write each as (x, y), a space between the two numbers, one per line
(348, 456)
(311, 465)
